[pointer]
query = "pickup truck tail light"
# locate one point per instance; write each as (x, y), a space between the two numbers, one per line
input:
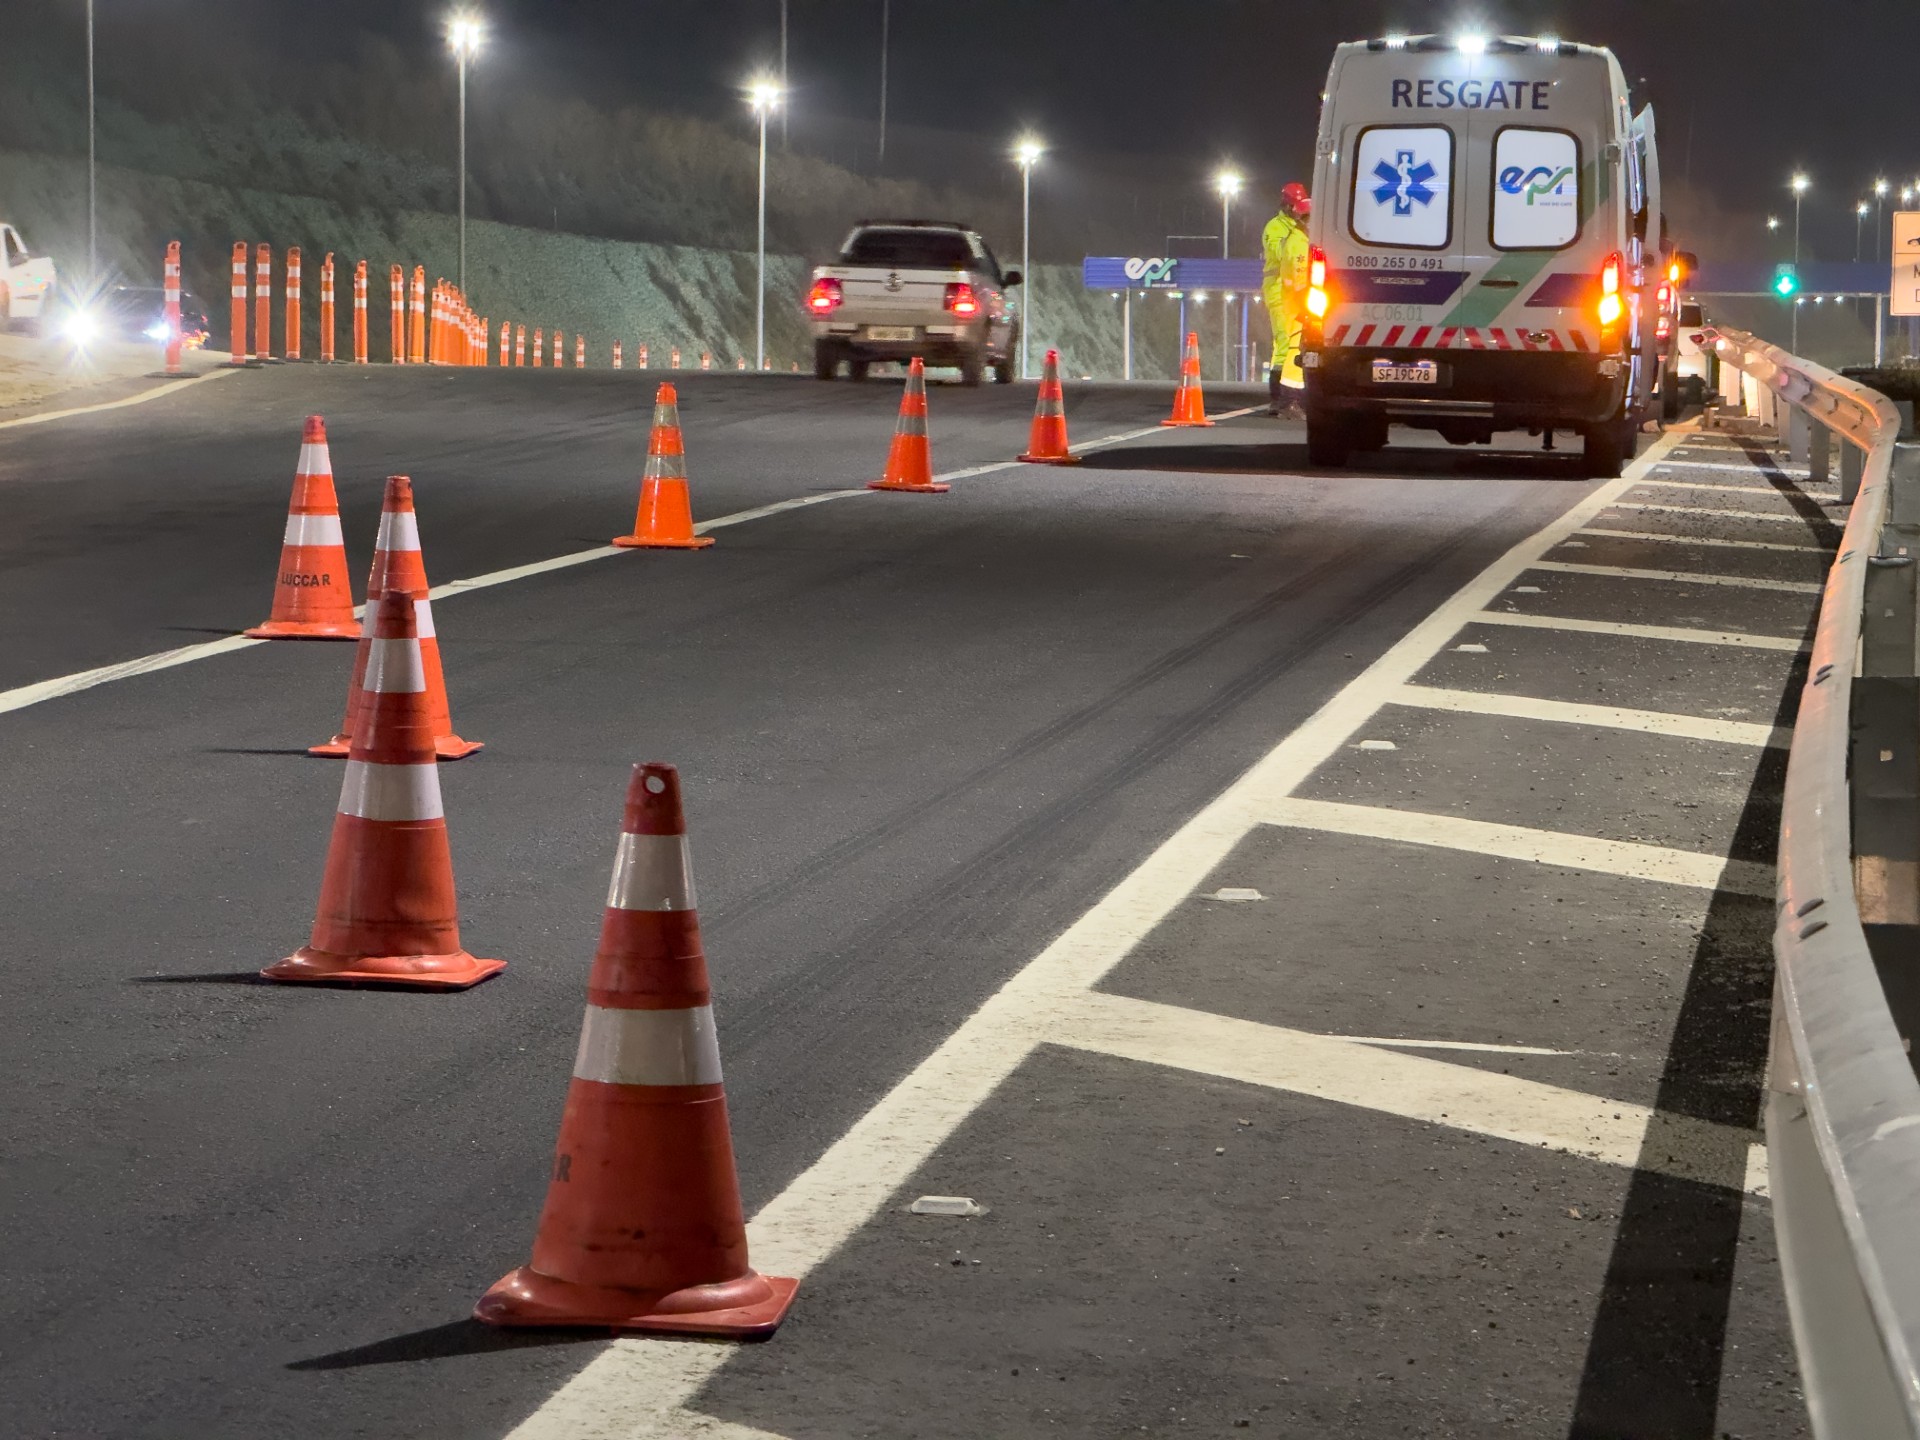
(1317, 283)
(961, 300)
(825, 297)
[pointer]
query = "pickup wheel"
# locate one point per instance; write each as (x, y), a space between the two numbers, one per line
(857, 369)
(826, 361)
(1003, 371)
(973, 367)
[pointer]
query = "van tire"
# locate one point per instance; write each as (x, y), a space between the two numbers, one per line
(1329, 441)
(1608, 446)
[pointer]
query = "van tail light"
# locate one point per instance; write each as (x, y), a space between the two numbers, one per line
(1665, 297)
(825, 297)
(1317, 282)
(1612, 304)
(1663, 327)
(961, 300)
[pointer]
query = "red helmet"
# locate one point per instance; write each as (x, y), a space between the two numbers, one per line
(1294, 196)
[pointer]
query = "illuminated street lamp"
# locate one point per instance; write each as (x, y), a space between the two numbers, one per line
(1859, 219)
(1026, 151)
(764, 96)
(466, 33)
(1880, 188)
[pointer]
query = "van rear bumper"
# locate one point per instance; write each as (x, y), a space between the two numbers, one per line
(1505, 389)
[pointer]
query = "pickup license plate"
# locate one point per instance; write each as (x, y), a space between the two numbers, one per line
(1419, 372)
(892, 332)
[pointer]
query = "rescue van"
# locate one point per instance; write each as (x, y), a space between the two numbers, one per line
(1486, 213)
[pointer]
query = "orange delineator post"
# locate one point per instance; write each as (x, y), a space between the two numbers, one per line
(173, 307)
(237, 344)
(579, 352)
(1189, 405)
(506, 342)
(417, 321)
(674, 358)
(262, 301)
(519, 345)
(909, 460)
(326, 310)
(290, 340)
(436, 300)
(539, 347)
(616, 355)
(559, 349)
(397, 316)
(640, 357)
(360, 313)
(664, 520)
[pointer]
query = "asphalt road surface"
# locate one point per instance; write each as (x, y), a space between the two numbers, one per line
(920, 737)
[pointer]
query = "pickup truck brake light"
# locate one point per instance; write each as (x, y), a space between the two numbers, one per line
(1317, 282)
(961, 300)
(825, 296)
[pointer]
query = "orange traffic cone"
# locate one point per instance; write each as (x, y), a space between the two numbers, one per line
(665, 518)
(387, 913)
(397, 566)
(313, 599)
(642, 1227)
(1047, 441)
(1189, 407)
(909, 461)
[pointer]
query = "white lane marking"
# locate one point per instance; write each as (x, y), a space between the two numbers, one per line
(1683, 577)
(1437, 1092)
(1661, 482)
(1747, 469)
(1610, 717)
(1735, 638)
(636, 1389)
(40, 691)
(140, 399)
(1668, 538)
(1784, 517)
(1519, 842)
(1478, 1046)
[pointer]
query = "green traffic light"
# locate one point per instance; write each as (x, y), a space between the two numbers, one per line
(1785, 282)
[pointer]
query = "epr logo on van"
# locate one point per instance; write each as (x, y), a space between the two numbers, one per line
(1471, 94)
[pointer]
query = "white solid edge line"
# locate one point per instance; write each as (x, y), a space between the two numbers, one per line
(1436, 1092)
(1747, 469)
(1607, 717)
(636, 1390)
(138, 399)
(1487, 1046)
(1682, 577)
(1784, 517)
(1667, 537)
(1627, 858)
(1738, 639)
(40, 691)
(1661, 482)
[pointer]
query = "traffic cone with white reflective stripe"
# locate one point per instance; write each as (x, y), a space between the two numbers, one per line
(665, 518)
(397, 565)
(1189, 405)
(387, 913)
(313, 599)
(642, 1227)
(1047, 441)
(909, 460)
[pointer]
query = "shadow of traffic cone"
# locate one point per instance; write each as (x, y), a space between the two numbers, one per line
(387, 912)
(909, 461)
(313, 599)
(1047, 441)
(1189, 407)
(397, 566)
(665, 518)
(642, 1227)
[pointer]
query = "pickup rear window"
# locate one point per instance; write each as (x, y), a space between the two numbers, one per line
(918, 249)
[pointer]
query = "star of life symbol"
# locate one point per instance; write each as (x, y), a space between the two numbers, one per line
(1404, 183)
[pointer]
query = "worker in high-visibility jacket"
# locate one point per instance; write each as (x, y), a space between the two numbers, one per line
(1283, 246)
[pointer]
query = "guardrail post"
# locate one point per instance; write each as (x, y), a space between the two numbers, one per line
(1819, 452)
(1799, 435)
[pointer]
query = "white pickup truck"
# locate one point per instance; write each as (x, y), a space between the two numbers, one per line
(26, 281)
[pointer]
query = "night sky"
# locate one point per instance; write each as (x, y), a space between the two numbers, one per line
(1747, 90)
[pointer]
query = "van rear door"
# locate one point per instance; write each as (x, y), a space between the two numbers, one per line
(1396, 258)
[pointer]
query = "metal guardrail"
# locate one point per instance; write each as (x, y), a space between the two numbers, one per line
(1843, 1103)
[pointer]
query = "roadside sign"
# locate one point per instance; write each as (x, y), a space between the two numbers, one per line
(1904, 294)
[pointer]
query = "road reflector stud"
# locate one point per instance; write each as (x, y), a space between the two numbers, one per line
(387, 913)
(665, 517)
(909, 460)
(952, 1205)
(642, 1228)
(312, 598)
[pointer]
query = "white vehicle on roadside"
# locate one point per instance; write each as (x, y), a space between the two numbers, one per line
(1486, 217)
(26, 281)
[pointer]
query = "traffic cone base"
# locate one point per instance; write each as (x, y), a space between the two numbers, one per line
(458, 971)
(1051, 459)
(302, 630)
(1202, 421)
(646, 542)
(446, 747)
(748, 1308)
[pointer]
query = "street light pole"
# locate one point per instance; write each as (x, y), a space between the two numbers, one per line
(1859, 219)
(764, 97)
(1799, 186)
(464, 34)
(1026, 152)
(93, 251)
(1227, 182)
